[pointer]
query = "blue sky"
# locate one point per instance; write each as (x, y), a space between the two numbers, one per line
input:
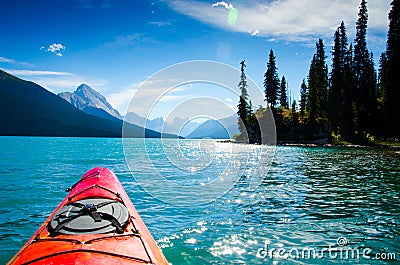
(114, 45)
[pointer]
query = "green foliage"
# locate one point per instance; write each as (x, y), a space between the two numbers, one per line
(294, 106)
(271, 81)
(303, 97)
(365, 75)
(342, 94)
(236, 136)
(317, 85)
(392, 90)
(283, 93)
(243, 107)
(337, 81)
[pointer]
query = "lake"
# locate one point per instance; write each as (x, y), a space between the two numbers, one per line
(338, 204)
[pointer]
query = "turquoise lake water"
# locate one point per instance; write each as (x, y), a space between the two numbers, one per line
(334, 198)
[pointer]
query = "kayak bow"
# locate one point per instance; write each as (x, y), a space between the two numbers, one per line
(95, 224)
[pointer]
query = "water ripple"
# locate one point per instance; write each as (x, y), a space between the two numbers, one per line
(309, 198)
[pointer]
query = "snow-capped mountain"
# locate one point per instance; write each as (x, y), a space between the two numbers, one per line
(90, 101)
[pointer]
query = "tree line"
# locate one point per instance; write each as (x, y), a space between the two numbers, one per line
(353, 102)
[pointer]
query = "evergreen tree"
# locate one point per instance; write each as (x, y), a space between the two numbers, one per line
(271, 81)
(253, 127)
(313, 99)
(392, 97)
(350, 118)
(370, 122)
(363, 65)
(294, 106)
(360, 48)
(303, 98)
(294, 116)
(341, 93)
(283, 93)
(383, 79)
(317, 85)
(337, 85)
(243, 107)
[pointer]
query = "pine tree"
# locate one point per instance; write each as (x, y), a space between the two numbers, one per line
(382, 85)
(337, 85)
(364, 75)
(350, 118)
(392, 97)
(341, 93)
(313, 99)
(283, 93)
(383, 79)
(294, 106)
(243, 107)
(371, 122)
(317, 85)
(253, 127)
(271, 81)
(303, 98)
(360, 48)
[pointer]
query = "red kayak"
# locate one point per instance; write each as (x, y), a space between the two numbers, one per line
(95, 224)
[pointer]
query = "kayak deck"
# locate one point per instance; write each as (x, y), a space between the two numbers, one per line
(95, 224)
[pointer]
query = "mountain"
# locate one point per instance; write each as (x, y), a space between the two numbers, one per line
(29, 109)
(178, 125)
(216, 129)
(155, 124)
(92, 102)
(181, 126)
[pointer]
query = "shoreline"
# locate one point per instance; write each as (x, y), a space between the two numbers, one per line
(325, 143)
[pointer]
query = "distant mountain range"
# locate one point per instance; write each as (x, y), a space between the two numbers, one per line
(155, 124)
(92, 102)
(180, 126)
(216, 129)
(30, 110)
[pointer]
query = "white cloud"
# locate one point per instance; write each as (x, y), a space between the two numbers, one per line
(128, 40)
(150, 91)
(172, 98)
(255, 32)
(12, 61)
(6, 60)
(288, 20)
(160, 23)
(67, 83)
(55, 81)
(120, 100)
(224, 4)
(55, 48)
(57, 85)
(36, 73)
